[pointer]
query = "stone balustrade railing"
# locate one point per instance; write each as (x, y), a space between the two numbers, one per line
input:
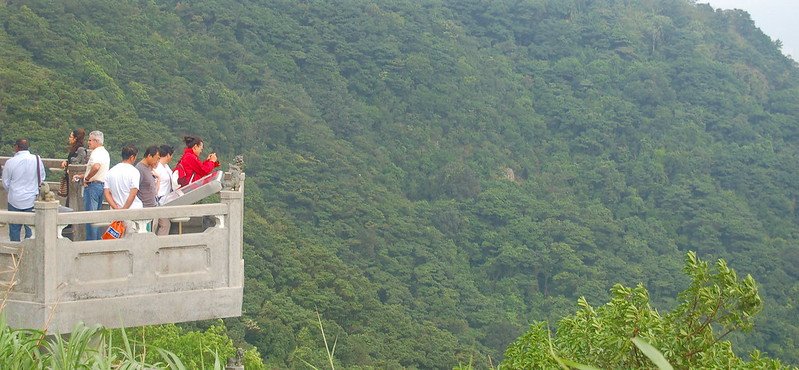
(52, 282)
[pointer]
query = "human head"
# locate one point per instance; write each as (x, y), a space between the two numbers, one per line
(129, 153)
(21, 144)
(76, 138)
(166, 151)
(95, 139)
(195, 143)
(151, 156)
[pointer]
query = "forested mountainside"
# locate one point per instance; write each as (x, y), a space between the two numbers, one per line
(431, 176)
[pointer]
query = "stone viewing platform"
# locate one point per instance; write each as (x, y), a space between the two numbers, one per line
(56, 279)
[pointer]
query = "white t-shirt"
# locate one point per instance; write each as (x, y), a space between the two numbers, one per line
(99, 155)
(120, 180)
(164, 179)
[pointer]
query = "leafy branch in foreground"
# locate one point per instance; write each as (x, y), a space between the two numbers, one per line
(628, 333)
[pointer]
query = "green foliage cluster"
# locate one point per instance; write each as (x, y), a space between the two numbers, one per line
(197, 349)
(686, 337)
(99, 348)
(432, 176)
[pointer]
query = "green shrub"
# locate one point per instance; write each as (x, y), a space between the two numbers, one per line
(688, 336)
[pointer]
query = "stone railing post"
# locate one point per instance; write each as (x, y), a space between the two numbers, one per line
(235, 201)
(45, 242)
(76, 199)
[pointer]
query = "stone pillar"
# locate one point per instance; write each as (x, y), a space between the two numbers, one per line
(235, 201)
(76, 200)
(46, 242)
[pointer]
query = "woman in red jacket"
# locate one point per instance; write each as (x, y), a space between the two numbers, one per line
(189, 167)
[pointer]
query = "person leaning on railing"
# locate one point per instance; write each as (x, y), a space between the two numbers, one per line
(190, 168)
(77, 155)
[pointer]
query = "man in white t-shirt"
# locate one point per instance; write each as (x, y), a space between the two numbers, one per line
(122, 182)
(164, 180)
(93, 179)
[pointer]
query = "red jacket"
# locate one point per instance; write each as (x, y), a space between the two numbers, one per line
(193, 169)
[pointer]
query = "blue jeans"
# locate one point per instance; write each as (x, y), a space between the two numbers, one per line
(92, 200)
(15, 229)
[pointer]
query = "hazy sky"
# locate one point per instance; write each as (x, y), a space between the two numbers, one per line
(777, 18)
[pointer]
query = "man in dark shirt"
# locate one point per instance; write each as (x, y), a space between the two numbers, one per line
(147, 189)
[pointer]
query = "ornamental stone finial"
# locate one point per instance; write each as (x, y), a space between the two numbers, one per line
(45, 194)
(236, 169)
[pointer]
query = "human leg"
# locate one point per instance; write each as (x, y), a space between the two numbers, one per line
(14, 230)
(163, 226)
(92, 200)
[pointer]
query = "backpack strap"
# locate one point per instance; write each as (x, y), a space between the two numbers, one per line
(183, 180)
(38, 170)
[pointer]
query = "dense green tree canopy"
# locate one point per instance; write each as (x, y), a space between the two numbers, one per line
(432, 176)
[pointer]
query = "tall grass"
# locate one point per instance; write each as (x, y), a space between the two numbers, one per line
(85, 348)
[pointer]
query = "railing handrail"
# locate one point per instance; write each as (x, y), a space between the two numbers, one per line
(25, 218)
(63, 279)
(196, 210)
(48, 162)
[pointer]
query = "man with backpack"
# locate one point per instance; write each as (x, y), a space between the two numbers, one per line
(22, 176)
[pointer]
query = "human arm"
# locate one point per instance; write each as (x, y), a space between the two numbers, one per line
(6, 176)
(78, 157)
(157, 181)
(81, 156)
(208, 165)
(110, 199)
(133, 182)
(87, 175)
(92, 171)
(42, 174)
(196, 169)
(66, 163)
(131, 198)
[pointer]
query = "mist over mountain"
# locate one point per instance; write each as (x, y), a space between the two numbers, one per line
(431, 176)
